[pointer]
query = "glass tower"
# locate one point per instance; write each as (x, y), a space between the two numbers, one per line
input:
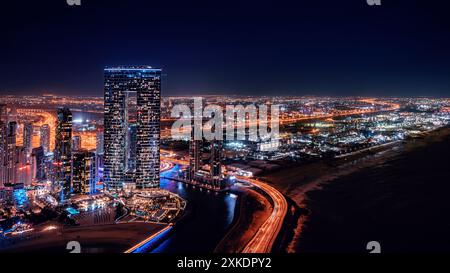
(146, 83)
(63, 152)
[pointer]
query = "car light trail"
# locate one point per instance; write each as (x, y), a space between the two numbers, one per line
(265, 237)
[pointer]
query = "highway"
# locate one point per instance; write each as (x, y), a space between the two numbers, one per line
(264, 239)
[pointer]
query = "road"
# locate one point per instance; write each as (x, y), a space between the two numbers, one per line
(264, 239)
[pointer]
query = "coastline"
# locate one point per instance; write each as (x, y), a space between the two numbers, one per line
(298, 183)
(401, 203)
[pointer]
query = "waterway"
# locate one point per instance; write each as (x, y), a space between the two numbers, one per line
(209, 215)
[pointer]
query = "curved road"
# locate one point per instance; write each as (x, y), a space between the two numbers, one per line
(264, 239)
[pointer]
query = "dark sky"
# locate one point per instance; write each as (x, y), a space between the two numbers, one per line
(310, 47)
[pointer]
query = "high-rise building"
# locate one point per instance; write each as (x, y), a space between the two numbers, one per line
(27, 136)
(195, 154)
(83, 172)
(11, 154)
(63, 154)
(146, 82)
(3, 148)
(45, 137)
(23, 168)
(38, 163)
(216, 163)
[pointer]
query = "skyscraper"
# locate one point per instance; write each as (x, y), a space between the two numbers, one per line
(146, 82)
(195, 154)
(11, 154)
(63, 154)
(216, 163)
(3, 129)
(45, 137)
(38, 163)
(27, 135)
(83, 172)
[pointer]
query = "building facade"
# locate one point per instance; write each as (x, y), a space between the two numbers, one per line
(119, 82)
(44, 140)
(3, 130)
(27, 136)
(83, 172)
(63, 153)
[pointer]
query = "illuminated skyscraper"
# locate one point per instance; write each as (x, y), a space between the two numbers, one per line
(38, 163)
(11, 154)
(216, 163)
(27, 135)
(3, 148)
(195, 154)
(45, 137)
(63, 154)
(146, 82)
(83, 172)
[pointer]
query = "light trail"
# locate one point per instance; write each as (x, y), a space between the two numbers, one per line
(265, 237)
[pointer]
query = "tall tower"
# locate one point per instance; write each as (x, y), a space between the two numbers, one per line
(45, 137)
(83, 178)
(37, 163)
(195, 153)
(11, 153)
(27, 135)
(3, 129)
(3, 143)
(146, 82)
(63, 154)
(216, 163)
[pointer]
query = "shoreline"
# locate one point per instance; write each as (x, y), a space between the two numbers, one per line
(298, 181)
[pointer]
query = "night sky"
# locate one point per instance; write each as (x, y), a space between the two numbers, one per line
(310, 47)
